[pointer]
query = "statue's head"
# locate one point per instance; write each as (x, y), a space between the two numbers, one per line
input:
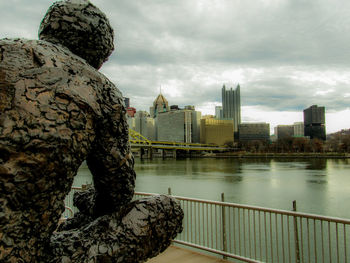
(81, 27)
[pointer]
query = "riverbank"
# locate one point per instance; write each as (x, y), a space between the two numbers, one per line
(280, 155)
(265, 155)
(184, 154)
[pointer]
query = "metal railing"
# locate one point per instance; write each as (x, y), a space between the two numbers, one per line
(70, 209)
(257, 234)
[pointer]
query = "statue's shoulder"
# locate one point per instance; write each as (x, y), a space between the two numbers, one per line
(34, 67)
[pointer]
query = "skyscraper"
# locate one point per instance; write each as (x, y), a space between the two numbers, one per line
(231, 105)
(218, 112)
(314, 122)
(179, 126)
(160, 105)
(127, 102)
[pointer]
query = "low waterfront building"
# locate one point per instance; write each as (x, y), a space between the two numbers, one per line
(273, 138)
(298, 129)
(284, 131)
(254, 131)
(217, 132)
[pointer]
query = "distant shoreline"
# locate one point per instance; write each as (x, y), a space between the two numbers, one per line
(279, 155)
(256, 155)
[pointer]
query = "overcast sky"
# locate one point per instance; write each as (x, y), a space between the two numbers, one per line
(286, 54)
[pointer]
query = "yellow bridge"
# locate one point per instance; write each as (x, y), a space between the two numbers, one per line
(137, 140)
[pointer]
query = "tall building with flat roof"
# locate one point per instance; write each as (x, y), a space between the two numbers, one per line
(231, 105)
(215, 131)
(254, 131)
(218, 112)
(143, 124)
(126, 102)
(284, 131)
(314, 122)
(298, 129)
(179, 126)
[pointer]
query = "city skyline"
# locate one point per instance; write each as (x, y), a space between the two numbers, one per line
(286, 55)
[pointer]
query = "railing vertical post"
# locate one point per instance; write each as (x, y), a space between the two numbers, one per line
(223, 215)
(296, 238)
(169, 190)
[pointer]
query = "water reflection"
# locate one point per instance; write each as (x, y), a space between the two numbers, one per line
(315, 181)
(233, 178)
(320, 186)
(317, 164)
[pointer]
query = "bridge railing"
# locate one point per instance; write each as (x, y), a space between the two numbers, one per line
(256, 234)
(184, 144)
(137, 138)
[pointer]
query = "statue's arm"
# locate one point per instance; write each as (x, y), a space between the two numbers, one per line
(119, 230)
(110, 160)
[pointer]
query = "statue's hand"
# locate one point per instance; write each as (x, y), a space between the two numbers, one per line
(140, 230)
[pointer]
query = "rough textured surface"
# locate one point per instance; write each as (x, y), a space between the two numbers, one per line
(81, 27)
(142, 229)
(55, 112)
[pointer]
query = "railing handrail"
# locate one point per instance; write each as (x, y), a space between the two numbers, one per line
(258, 208)
(267, 236)
(251, 207)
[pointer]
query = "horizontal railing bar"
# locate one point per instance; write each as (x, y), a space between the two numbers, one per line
(70, 210)
(215, 247)
(182, 143)
(172, 147)
(257, 208)
(216, 251)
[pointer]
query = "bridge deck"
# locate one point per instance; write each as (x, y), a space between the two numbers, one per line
(176, 254)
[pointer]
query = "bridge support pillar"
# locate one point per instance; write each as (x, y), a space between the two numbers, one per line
(163, 153)
(174, 154)
(141, 152)
(150, 153)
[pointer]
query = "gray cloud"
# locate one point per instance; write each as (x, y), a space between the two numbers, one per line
(235, 32)
(286, 54)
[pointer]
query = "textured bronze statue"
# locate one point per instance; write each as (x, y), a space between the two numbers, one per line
(57, 110)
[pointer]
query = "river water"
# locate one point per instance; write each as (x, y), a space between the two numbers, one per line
(320, 186)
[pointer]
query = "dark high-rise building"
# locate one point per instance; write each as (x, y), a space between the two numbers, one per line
(231, 106)
(314, 122)
(127, 102)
